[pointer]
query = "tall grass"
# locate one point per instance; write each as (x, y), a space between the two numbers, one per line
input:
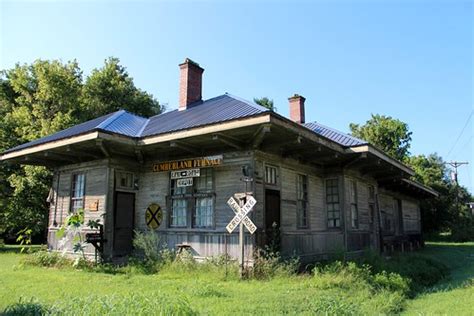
(134, 304)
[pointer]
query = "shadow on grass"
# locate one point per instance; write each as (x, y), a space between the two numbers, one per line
(458, 257)
(17, 248)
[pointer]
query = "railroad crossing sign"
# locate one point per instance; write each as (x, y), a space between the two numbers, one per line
(241, 214)
(153, 216)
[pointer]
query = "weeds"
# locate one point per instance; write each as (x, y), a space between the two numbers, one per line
(134, 304)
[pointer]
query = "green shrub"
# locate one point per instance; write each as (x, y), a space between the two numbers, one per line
(421, 271)
(462, 230)
(370, 292)
(151, 252)
(268, 264)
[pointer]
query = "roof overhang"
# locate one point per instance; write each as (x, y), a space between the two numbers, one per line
(408, 187)
(379, 154)
(318, 147)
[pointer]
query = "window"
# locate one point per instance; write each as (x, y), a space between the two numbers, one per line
(270, 175)
(371, 215)
(204, 206)
(124, 180)
(77, 191)
(371, 189)
(371, 193)
(332, 203)
(354, 208)
(196, 200)
(302, 200)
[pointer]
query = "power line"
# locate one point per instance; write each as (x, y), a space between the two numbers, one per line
(463, 147)
(459, 136)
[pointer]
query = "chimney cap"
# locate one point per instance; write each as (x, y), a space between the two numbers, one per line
(189, 61)
(296, 96)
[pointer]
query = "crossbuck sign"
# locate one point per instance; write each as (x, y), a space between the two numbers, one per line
(241, 214)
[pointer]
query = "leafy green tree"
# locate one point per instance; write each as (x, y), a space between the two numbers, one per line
(110, 88)
(42, 98)
(265, 102)
(389, 134)
(447, 212)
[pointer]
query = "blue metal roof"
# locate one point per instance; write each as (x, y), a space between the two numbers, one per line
(120, 122)
(335, 135)
(219, 109)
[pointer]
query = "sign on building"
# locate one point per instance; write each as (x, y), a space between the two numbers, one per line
(153, 216)
(186, 182)
(188, 173)
(201, 162)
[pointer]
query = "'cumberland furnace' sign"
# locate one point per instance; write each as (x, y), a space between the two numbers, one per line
(201, 162)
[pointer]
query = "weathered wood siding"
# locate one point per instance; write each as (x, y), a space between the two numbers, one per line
(95, 192)
(154, 188)
(314, 241)
(364, 234)
(411, 216)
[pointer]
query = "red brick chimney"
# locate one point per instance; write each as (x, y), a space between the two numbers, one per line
(297, 108)
(190, 83)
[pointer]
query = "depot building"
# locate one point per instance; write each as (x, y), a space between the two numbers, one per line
(318, 191)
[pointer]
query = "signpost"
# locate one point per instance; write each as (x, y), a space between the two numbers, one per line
(241, 211)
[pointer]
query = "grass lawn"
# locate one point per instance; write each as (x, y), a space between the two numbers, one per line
(211, 292)
(454, 296)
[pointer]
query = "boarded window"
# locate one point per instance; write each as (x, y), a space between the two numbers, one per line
(302, 200)
(354, 206)
(194, 204)
(77, 191)
(270, 175)
(332, 203)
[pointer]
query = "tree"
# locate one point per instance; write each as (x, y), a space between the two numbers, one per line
(110, 88)
(40, 99)
(447, 212)
(390, 135)
(265, 102)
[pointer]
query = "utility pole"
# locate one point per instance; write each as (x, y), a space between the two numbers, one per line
(455, 165)
(454, 177)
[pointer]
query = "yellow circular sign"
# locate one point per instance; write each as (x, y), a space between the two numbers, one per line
(153, 216)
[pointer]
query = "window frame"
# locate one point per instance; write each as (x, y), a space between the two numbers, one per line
(371, 205)
(304, 202)
(353, 198)
(73, 198)
(191, 195)
(269, 166)
(119, 186)
(333, 203)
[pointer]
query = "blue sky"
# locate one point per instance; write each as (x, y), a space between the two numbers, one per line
(412, 60)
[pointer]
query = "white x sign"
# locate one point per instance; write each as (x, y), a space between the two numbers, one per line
(241, 214)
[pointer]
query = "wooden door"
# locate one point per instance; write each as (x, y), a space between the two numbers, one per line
(124, 215)
(272, 219)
